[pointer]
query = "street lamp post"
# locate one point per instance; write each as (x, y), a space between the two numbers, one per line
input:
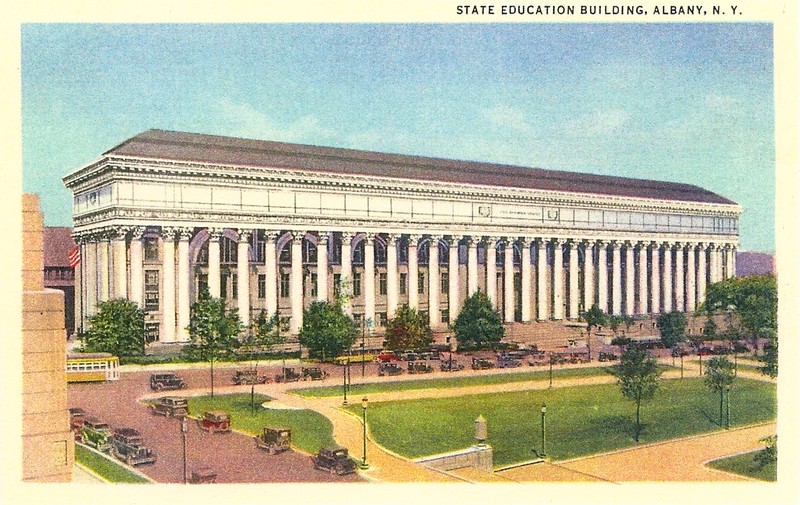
(184, 429)
(728, 409)
(344, 384)
(364, 403)
(544, 438)
(367, 324)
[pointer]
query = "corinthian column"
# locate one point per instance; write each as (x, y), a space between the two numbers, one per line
(667, 277)
(346, 271)
(691, 275)
(413, 272)
(271, 272)
(572, 308)
(508, 280)
(558, 279)
(588, 275)
(472, 265)
(452, 295)
(243, 275)
(701, 273)
(616, 278)
(167, 333)
(525, 272)
(296, 286)
(392, 288)
(369, 277)
(213, 262)
(120, 261)
(137, 271)
(679, 296)
(491, 271)
(629, 286)
(433, 282)
(642, 278)
(322, 266)
(184, 304)
(655, 280)
(541, 280)
(602, 275)
(103, 242)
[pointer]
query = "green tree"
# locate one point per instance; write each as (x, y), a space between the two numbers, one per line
(754, 299)
(672, 326)
(719, 377)
(594, 318)
(637, 375)
(118, 328)
(263, 333)
(327, 331)
(214, 330)
(769, 454)
(408, 329)
(478, 325)
(770, 359)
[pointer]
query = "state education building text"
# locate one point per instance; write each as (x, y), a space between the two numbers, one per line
(276, 226)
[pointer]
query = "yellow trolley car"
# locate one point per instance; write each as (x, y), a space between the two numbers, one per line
(92, 367)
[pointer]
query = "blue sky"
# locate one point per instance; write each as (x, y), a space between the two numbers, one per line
(678, 102)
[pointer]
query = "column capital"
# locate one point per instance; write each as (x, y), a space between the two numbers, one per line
(557, 241)
(271, 235)
(347, 237)
(322, 238)
(391, 239)
(524, 242)
(616, 245)
(244, 234)
(413, 239)
(184, 234)
(215, 233)
(435, 239)
(168, 233)
(298, 236)
(541, 242)
(602, 242)
(369, 239)
(654, 245)
(137, 232)
(455, 239)
(120, 232)
(491, 241)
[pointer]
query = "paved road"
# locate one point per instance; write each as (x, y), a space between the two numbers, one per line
(233, 456)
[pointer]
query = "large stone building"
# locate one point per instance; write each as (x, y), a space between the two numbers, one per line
(276, 226)
(58, 273)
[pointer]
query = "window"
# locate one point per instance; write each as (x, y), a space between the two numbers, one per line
(356, 284)
(358, 319)
(382, 319)
(223, 286)
(235, 285)
(358, 254)
(445, 315)
(202, 283)
(228, 250)
(314, 285)
(380, 253)
(421, 283)
(262, 286)
(445, 282)
(151, 290)
(284, 285)
(337, 280)
(285, 257)
(151, 249)
(382, 288)
(403, 281)
(309, 252)
(151, 332)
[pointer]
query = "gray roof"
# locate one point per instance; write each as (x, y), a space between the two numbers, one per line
(235, 151)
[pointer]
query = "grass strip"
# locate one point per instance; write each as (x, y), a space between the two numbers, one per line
(310, 430)
(107, 469)
(743, 464)
(580, 420)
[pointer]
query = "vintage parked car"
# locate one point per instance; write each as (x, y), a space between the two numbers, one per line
(313, 373)
(419, 367)
(166, 382)
(386, 357)
(274, 439)
(389, 369)
(288, 375)
(678, 352)
(608, 356)
(506, 361)
(334, 459)
(482, 363)
(447, 365)
(241, 377)
(127, 445)
(170, 406)
(409, 356)
(95, 433)
(203, 475)
(76, 416)
(538, 358)
(215, 421)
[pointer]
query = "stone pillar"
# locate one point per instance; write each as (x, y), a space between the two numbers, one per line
(680, 300)
(691, 275)
(655, 280)
(525, 273)
(574, 301)
(602, 275)
(137, 269)
(322, 266)
(588, 275)
(346, 271)
(120, 261)
(243, 276)
(369, 278)
(296, 285)
(508, 280)
(491, 271)
(392, 288)
(215, 235)
(167, 332)
(452, 277)
(733, 261)
(616, 278)
(271, 272)
(558, 279)
(642, 278)
(92, 284)
(413, 272)
(713, 263)
(103, 264)
(80, 289)
(541, 280)
(667, 277)
(629, 282)
(184, 289)
(472, 265)
(433, 282)
(720, 252)
(701, 273)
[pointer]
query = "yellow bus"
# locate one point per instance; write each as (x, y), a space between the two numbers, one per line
(92, 367)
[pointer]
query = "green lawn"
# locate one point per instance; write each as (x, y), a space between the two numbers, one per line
(581, 420)
(310, 430)
(450, 382)
(743, 464)
(109, 470)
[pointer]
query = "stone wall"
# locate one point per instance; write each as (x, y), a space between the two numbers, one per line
(476, 456)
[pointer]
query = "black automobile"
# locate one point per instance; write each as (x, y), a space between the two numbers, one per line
(166, 382)
(419, 367)
(127, 445)
(335, 460)
(506, 361)
(447, 365)
(389, 369)
(170, 406)
(313, 373)
(482, 363)
(288, 375)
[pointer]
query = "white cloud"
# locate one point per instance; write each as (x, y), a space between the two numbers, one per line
(247, 121)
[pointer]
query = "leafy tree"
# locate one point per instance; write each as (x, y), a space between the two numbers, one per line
(478, 324)
(719, 376)
(672, 326)
(753, 298)
(264, 332)
(769, 454)
(118, 328)
(637, 375)
(596, 318)
(327, 331)
(214, 330)
(408, 330)
(770, 359)
(709, 329)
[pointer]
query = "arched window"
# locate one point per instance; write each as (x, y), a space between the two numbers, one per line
(309, 252)
(228, 250)
(422, 253)
(402, 251)
(358, 253)
(380, 252)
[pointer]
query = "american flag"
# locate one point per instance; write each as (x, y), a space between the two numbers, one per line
(75, 257)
